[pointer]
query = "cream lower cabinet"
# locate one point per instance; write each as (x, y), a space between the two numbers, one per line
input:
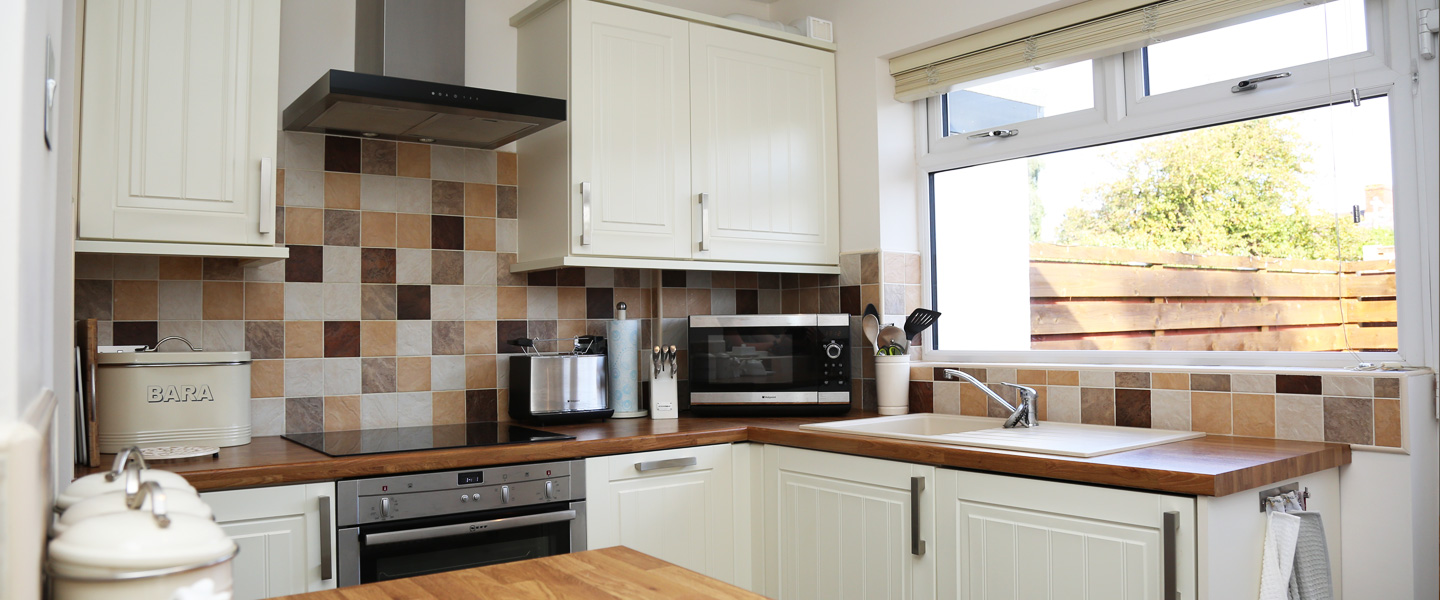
(286, 534)
(839, 527)
(677, 505)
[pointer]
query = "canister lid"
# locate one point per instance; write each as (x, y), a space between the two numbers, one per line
(138, 540)
(98, 483)
(177, 502)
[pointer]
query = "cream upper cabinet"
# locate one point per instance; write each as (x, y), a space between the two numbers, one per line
(179, 121)
(763, 156)
(688, 144)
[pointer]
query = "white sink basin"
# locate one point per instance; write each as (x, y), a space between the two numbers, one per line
(1061, 439)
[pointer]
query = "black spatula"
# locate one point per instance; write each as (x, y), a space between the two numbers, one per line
(919, 321)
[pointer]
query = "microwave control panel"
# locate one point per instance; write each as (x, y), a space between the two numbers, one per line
(834, 359)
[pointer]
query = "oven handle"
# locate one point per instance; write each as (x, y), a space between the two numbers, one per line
(410, 535)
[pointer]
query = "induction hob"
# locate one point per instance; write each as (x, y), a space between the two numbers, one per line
(429, 437)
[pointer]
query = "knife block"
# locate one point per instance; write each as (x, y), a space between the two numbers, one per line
(664, 400)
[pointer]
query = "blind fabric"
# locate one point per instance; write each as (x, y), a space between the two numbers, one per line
(938, 69)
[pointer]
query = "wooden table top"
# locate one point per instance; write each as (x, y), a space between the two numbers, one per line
(608, 573)
(1214, 465)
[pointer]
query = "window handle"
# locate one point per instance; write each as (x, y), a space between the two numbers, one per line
(1246, 85)
(998, 133)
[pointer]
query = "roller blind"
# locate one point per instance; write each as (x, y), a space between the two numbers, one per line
(1088, 30)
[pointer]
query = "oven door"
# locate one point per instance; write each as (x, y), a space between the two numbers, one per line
(385, 551)
(769, 361)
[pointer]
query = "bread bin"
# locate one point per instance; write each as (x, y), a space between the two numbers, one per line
(136, 554)
(114, 480)
(152, 398)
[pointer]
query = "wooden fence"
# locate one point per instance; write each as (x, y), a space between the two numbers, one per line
(1113, 299)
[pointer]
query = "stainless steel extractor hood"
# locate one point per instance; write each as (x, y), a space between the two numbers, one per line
(408, 84)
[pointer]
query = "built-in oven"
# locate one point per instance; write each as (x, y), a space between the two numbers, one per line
(408, 525)
(769, 364)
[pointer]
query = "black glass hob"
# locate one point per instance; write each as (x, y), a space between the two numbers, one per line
(429, 437)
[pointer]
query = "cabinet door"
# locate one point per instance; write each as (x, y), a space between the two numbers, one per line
(179, 120)
(630, 133)
(279, 533)
(676, 505)
(764, 148)
(1015, 538)
(839, 526)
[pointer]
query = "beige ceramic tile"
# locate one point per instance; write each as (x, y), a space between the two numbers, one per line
(304, 339)
(1387, 423)
(377, 338)
(1062, 378)
(1170, 381)
(922, 373)
(480, 234)
(947, 397)
(1030, 377)
(1062, 404)
(449, 407)
(304, 226)
(1253, 383)
(480, 372)
(1210, 412)
(267, 378)
(136, 300)
(902, 267)
(412, 231)
(1254, 414)
(1299, 417)
(264, 301)
(342, 190)
(180, 267)
(512, 303)
(342, 413)
(377, 229)
(412, 373)
(479, 337)
(224, 300)
(1347, 385)
(1097, 378)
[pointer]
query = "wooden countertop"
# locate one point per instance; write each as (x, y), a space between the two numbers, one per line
(608, 573)
(1209, 466)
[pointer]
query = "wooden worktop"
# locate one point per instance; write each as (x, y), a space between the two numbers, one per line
(608, 573)
(1208, 466)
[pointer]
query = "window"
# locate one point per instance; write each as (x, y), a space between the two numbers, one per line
(1183, 216)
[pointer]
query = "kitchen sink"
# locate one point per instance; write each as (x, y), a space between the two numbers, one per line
(1060, 439)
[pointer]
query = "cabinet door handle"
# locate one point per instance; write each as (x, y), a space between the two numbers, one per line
(704, 220)
(327, 552)
(267, 195)
(652, 465)
(585, 228)
(1168, 581)
(917, 545)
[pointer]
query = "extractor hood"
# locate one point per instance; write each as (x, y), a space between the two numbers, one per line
(409, 67)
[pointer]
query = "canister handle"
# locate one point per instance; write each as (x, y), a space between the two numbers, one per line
(157, 502)
(173, 337)
(122, 461)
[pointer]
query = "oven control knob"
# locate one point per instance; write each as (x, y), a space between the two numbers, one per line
(464, 498)
(505, 494)
(475, 497)
(549, 490)
(384, 508)
(832, 349)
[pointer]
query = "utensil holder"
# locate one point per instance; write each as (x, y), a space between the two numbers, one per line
(892, 383)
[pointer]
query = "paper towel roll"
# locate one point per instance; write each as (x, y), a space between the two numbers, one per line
(623, 368)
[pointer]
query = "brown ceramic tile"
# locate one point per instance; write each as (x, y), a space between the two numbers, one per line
(599, 303)
(1132, 407)
(507, 202)
(304, 226)
(1254, 415)
(342, 339)
(480, 372)
(1387, 387)
(509, 330)
(267, 378)
(342, 228)
(698, 302)
(1132, 379)
(135, 333)
(187, 268)
(1170, 381)
(571, 303)
(1349, 420)
(1387, 422)
(1030, 377)
(973, 402)
(747, 302)
(447, 233)
(280, 188)
(627, 278)
(1297, 384)
(1210, 412)
(870, 296)
(223, 269)
(747, 280)
(447, 267)
(264, 339)
(830, 301)
(342, 154)
(870, 268)
(480, 234)
(412, 373)
(1210, 382)
(922, 397)
(377, 338)
(481, 406)
(377, 157)
(342, 413)
(377, 265)
(412, 160)
(571, 276)
(377, 302)
(722, 279)
(672, 278)
(342, 191)
(540, 278)
(377, 375)
(223, 300)
(136, 300)
(306, 264)
(447, 197)
(479, 337)
(850, 300)
(304, 339)
(304, 415)
(674, 303)
(549, 330)
(1097, 406)
(448, 407)
(93, 298)
(412, 302)
(479, 200)
(412, 231)
(1062, 378)
(447, 337)
(507, 168)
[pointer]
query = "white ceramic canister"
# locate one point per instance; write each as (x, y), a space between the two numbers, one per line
(151, 398)
(177, 502)
(114, 480)
(892, 384)
(140, 555)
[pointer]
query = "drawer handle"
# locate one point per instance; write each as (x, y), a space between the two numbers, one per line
(917, 545)
(327, 553)
(1168, 580)
(652, 465)
(704, 221)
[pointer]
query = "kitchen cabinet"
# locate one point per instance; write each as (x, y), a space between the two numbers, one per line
(286, 536)
(178, 122)
(692, 142)
(677, 505)
(840, 526)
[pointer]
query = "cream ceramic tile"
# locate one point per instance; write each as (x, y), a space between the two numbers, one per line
(412, 195)
(447, 302)
(480, 166)
(1062, 404)
(1001, 374)
(479, 302)
(304, 377)
(342, 301)
(447, 372)
(190, 330)
(107, 333)
(1097, 378)
(599, 277)
(722, 301)
(302, 151)
(946, 393)
(479, 268)
(342, 264)
(304, 188)
(541, 303)
(1253, 383)
(224, 336)
(342, 376)
(412, 266)
(270, 272)
(304, 301)
(378, 193)
(502, 375)
(447, 163)
(1170, 409)
(180, 300)
(1330, 385)
(267, 416)
(1300, 417)
(507, 235)
(849, 269)
(414, 409)
(379, 411)
(412, 338)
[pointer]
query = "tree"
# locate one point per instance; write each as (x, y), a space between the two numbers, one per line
(1237, 189)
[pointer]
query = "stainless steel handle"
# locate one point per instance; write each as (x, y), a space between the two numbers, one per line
(122, 462)
(173, 337)
(327, 551)
(267, 195)
(917, 545)
(1245, 85)
(1168, 578)
(704, 220)
(671, 463)
(410, 535)
(997, 133)
(585, 227)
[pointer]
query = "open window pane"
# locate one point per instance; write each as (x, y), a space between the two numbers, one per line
(1261, 46)
(1231, 237)
(1026, 96)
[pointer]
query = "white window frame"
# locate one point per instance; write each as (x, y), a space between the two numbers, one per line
(1128, 114)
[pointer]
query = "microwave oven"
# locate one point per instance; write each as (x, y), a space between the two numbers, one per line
(769, 364)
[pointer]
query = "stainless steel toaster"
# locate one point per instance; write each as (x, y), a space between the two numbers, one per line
(557, 389)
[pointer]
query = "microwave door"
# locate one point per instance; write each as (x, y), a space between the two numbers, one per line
(754, 359)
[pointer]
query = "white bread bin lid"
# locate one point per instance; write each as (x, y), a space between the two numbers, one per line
(138, 540)
(194, 356)
(176, 503)
(96, 484)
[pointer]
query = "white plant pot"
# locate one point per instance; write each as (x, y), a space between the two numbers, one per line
(892, 383)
